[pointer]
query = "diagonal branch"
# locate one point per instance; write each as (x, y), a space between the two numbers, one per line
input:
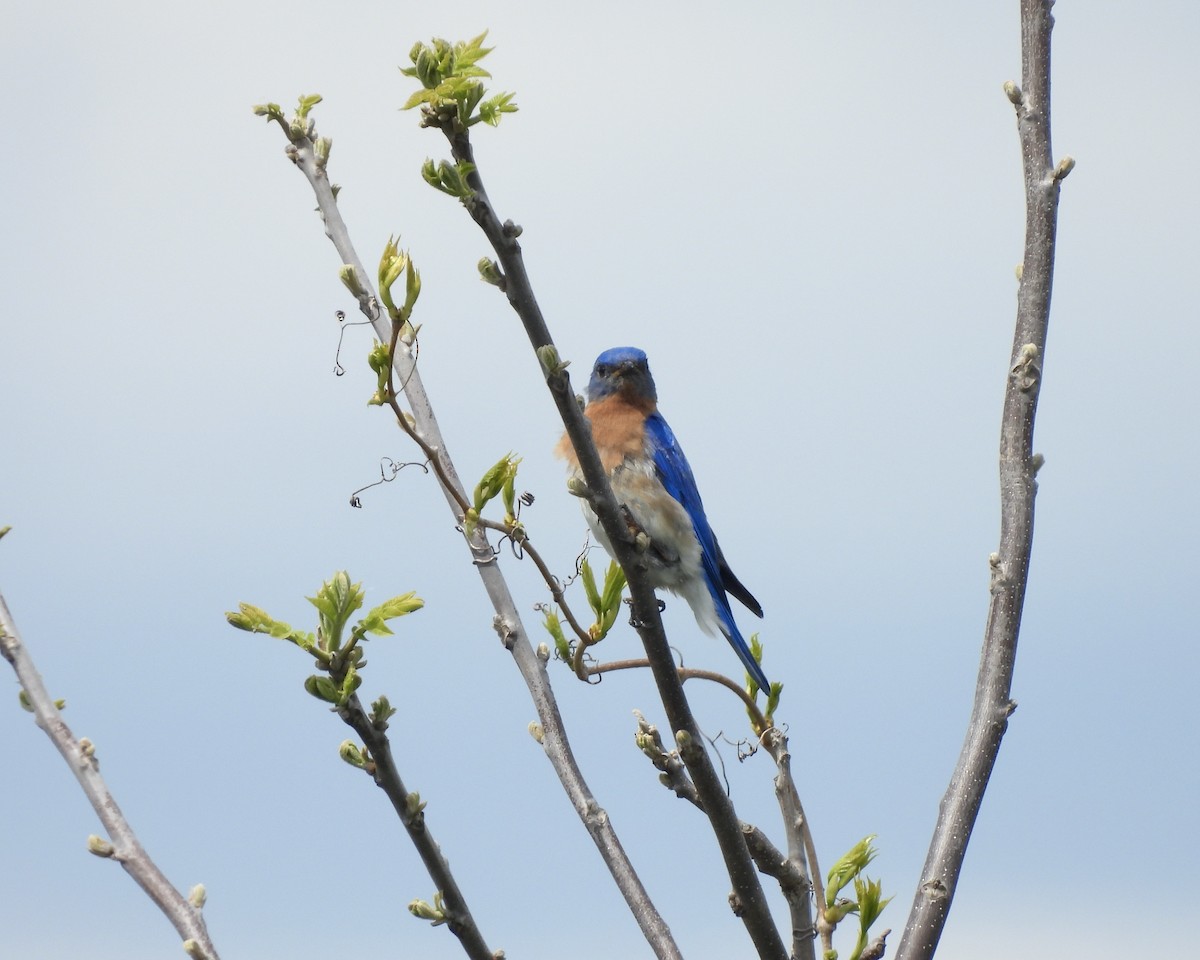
(302, 150)
(1018, 486)
(382, 768)
(748, 899)
(123, 845)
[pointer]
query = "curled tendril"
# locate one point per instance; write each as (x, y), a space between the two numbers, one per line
(338, 369)
(716, 749)
(481, 561)
(416, 353)
(587, 547)
(524, 499)
(388, 468)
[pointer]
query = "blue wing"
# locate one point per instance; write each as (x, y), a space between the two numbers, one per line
(676, 476)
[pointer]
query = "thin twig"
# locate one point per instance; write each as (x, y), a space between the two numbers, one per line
(507, 621)
(556, 590)
(748, 900)
(1018, 487)
(122, 845)
(457, 495)
(688, 673)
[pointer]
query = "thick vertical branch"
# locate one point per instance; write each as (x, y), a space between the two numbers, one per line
(123, 845)
(1018, 486)
(748, 899)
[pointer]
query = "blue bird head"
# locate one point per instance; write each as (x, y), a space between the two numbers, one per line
(622, 370)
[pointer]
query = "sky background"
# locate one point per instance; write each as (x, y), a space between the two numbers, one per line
(808, 215)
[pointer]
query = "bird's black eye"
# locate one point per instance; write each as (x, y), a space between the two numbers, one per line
(602, 370)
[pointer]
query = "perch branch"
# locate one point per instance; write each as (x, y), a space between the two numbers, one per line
(748, 900)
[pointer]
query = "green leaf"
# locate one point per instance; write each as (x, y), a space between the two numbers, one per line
(350, 752)
(589, 587)
(307, 102)
(272, 111)
(492, 482)
(337, 599)
(256, 620)
(421, 96)
(349, 277)
(870, 906)
(322, 688)
(473, 51)
(381, 712)
(350, 683)
(392, 263)
(489, 271)
(491, 110)
(848, 867)
(614, 586)
(376, 619)
(412, 290)
(553, 626)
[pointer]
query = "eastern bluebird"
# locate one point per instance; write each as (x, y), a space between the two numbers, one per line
(651, 479)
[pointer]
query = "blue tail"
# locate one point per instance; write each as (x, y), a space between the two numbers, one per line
(742, 649)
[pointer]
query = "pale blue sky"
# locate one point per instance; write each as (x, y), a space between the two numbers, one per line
(808, 216)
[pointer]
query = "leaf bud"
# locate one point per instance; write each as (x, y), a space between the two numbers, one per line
(99, 846)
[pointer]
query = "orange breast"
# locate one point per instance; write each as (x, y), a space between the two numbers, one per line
(618, 429)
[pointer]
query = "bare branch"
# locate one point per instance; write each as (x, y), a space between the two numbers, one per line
(685, 674)
(804, 872)
(302, 150)
(877, 947)
(122, 845)
(1018, 486)
(382, 768)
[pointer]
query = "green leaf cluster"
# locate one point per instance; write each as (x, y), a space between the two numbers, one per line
(453, 93)
(301, 125)
(435, 912)
(392, 264)
(868, 900)
(553, 624)
(335, 643)
(499, 481)
(605, 604)
(489, 272)
(773, 695)
(869, 895)
(380, 361)
(450, 178)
